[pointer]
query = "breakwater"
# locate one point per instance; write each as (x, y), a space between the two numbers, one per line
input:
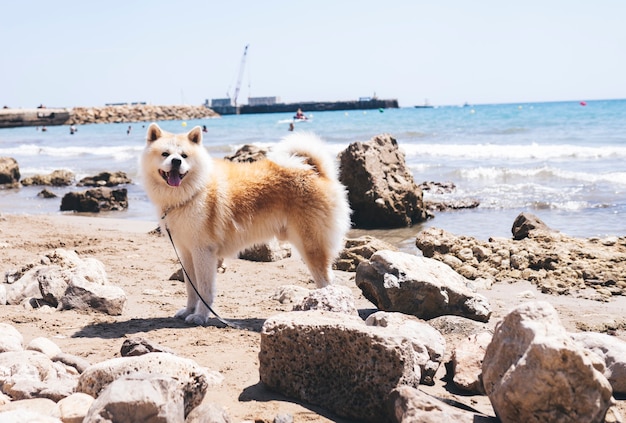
(11, 118)
(309, 106)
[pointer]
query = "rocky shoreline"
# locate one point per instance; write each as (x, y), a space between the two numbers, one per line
(137, 113)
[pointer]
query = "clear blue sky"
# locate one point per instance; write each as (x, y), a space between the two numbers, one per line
(87, 53)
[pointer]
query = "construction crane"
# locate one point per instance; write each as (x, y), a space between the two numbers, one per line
(240, 77)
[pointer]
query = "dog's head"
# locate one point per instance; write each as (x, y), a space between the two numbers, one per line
(171, 156)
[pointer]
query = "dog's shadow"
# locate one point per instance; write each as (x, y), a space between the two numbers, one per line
(120, 329)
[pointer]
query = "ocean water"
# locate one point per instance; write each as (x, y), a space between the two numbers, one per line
(562, 161)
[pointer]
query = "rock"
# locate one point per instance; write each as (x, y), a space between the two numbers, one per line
(22, 415)
(426, 288)
(290, 294)
(140, 346)
(9, 172)
(335, 298)
(525, 224)
(381, 189)
(105, 179)
(84, 295)
(428, 344)
(269, 252)
(95, 200)
(193, 380)
(46, 193)
(409, 405)
(556, 263)
(208, 413)
(247, 154)
(335, 361)
(30, 374)
(534, 371)
(137, 113)
(466, 363)
(358, 250)
(612, 352)
(10, 338)
(44, 346)
(74, 408)
(139, 397)
(79, 363)
(58, 178)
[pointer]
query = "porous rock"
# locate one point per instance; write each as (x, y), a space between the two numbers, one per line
(9, 172)
(410, 405)
(139, 397)
(74, 408)
(426, 288)
(95, 200)
(335, 361)
(428, 344)
(533, 371)
(335, 298)
(10, 338)
(271, 251)
(467, 360)
(58, 178)
(105, 179)
(612, 351)
(359, 249)
(381, 189)
(193, 380)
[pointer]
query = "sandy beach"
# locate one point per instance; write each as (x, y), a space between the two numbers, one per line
(141, 263)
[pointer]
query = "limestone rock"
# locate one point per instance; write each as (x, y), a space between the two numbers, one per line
(526, 224)
(10, 338)
(140, 346)
(410, 405)
(358, 250)
(149, 398)
(612, 351)
(381, 189)
(247, 154)
(58, 178)
(208, 413)
(429, 346)
(74, 408)
(467, 360)
(335, 361)
(193, 380)
(9, 172)
(105, 179)
(335, 298)
(533, 371)
(95, 200)
(426, 288)
(271, 251)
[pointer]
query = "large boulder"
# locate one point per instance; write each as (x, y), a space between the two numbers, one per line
(334, 360)
(612, 351)
(423, 287)
(95, 200)
(381, 189)
(533, 371)
(9, 172)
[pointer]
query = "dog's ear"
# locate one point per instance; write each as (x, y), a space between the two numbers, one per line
(195, 135)
(154, 133)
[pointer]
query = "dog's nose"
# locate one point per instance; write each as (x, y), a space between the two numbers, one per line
(176, 163)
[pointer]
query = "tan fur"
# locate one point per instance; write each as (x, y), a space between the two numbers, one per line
(218, 208)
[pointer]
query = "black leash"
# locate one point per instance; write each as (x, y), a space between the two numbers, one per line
(217, 316)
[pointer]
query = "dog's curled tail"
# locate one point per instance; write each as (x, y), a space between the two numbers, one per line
(306, 151)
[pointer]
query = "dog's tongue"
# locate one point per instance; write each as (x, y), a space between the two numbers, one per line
(173, 178)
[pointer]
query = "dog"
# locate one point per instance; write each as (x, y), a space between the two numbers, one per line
(215, 208)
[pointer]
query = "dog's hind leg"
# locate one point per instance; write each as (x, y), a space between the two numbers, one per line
(316, 256)
(205, 274)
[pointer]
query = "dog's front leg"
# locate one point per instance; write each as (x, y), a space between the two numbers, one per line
(192, 297)
(205, 263)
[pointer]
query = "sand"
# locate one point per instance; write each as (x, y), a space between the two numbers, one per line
(141, 263)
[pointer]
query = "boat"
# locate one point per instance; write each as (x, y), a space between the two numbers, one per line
(426, 105)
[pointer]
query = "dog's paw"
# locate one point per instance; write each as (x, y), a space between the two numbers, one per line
(197, 319)
(183, 313)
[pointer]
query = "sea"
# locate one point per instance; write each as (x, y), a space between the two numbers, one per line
(564, 162)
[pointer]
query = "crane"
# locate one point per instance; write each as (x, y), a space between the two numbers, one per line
(240, 77)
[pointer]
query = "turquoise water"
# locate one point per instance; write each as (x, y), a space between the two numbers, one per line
(562, 161)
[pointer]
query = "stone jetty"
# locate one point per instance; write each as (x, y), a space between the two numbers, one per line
(10, 118)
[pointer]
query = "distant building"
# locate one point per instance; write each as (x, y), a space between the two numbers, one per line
(263, 101)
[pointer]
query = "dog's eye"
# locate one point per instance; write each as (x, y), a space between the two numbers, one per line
(184, 156)
(165, 154)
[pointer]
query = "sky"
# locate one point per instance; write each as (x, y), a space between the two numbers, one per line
(88, 53)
